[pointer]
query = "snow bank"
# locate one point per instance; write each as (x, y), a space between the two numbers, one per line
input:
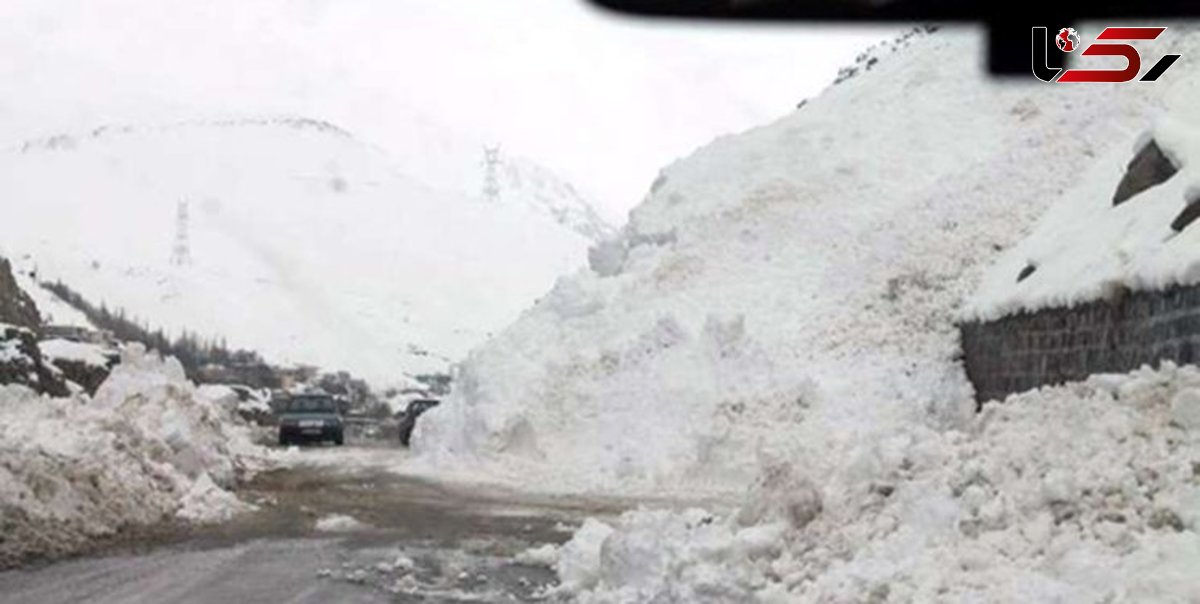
(146, 448)
(206, 502)
(1088, 492)
(789, 293)
(252, 405)
(1086, 249)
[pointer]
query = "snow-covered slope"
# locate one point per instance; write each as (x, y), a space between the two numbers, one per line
(446, 159)
(53, 310)
(305, 243)
(791, 292)
(777, 321)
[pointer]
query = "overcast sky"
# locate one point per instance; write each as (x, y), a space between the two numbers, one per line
(602, 100)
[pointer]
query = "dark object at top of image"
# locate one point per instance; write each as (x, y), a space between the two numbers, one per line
(1008, 23)
(900, 10)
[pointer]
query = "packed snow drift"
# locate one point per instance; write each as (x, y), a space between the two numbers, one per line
(1082, 493)
(777, 325)
(147, 448)
(790, 292)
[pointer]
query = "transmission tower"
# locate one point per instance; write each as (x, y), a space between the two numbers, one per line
(491, 173)
(181, 253)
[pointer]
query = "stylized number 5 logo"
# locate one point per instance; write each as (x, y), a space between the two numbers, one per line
(1119, 50)
(1133, 59)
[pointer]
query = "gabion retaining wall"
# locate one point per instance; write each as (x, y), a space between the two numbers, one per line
(1057, 345)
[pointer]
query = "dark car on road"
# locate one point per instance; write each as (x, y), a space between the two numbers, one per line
(408, 420)
(311, 418)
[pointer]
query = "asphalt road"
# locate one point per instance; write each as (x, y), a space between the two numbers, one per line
(410, 541)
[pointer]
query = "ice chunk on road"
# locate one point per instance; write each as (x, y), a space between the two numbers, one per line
(543, 555)
(339, 523)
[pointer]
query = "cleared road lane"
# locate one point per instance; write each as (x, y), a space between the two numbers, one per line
(385, 538)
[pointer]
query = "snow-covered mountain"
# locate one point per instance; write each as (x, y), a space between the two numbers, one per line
(446, 159)
(778, 317)
(305, 243)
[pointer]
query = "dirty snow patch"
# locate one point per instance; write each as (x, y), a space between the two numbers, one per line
(206, 502)
(145, 449)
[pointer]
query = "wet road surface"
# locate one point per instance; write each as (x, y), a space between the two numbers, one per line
(410, 540)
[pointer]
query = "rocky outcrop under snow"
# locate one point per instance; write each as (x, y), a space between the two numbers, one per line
(20, 357)
(82, 363)
(16, 307)
(21, 362)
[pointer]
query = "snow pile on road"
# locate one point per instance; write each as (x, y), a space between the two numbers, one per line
(789, 293)
(783, 305)
(146, 448)
(1088, 492)
(1086, 248)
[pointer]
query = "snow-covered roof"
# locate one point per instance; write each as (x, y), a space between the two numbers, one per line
(1088, 247)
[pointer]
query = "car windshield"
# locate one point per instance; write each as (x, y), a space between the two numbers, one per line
(312, 404)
